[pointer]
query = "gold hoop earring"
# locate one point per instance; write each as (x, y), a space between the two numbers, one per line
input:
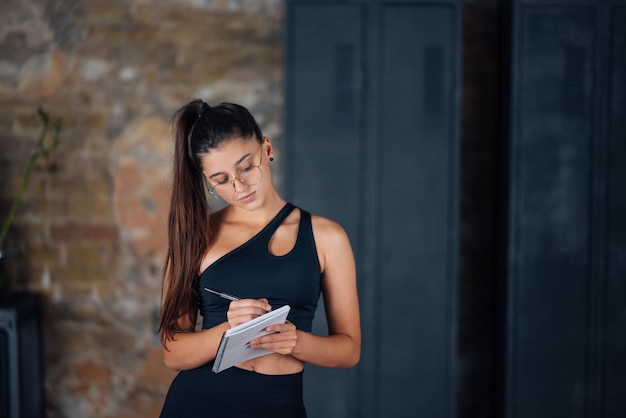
(214, 195)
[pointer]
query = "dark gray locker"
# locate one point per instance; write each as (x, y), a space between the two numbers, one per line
(563, 198)
(371, 141)
(323, 146)
(417, 211)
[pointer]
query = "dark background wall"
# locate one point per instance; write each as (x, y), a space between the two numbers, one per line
(514, 290)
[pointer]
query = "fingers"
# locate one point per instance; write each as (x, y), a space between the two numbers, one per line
(283, 339)
(240, 311)
(282, 328)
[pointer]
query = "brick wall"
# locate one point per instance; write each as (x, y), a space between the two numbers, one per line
(92, 224)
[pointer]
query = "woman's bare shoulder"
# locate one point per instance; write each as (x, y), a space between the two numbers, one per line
(327, 230)
(333, 246)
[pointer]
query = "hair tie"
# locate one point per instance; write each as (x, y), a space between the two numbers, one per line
(203, 108)
(193, 127)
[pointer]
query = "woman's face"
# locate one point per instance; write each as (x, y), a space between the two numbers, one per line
(238, 171)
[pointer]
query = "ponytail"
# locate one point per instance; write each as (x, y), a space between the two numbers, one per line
(197, 129)
(189, 230)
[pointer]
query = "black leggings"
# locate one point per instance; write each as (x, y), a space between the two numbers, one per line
(234, 393)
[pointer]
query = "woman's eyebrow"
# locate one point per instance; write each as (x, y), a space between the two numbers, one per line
(234, 165)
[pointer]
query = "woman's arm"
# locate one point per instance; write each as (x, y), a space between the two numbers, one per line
(342, 346)
(188, 350)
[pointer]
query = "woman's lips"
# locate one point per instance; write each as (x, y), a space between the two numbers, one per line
(247, 198)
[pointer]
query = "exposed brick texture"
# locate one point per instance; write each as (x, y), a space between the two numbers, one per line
(93, 221)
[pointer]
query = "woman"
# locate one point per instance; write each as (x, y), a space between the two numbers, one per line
(259, 248)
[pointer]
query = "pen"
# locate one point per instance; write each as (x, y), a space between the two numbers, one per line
(222, 295)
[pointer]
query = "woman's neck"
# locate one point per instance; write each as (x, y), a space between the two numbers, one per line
(261, 215)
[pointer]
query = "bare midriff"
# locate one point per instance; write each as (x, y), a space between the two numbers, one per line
(274, 364)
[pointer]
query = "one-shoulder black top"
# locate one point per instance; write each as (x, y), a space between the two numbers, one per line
(251, 271)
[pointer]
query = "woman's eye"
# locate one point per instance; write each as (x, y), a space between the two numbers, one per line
(250, 167)
(222, 181)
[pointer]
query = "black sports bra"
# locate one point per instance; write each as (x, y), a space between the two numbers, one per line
(251, 271)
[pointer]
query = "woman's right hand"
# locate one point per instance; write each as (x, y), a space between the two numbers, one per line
(243, 310)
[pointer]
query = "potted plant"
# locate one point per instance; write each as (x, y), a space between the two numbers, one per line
(45, 145)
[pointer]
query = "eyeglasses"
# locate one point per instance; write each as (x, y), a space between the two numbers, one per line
(249, 176)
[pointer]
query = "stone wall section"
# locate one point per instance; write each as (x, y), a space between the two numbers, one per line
(93, 221)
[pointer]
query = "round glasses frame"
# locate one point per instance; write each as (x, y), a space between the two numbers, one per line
(250, 176)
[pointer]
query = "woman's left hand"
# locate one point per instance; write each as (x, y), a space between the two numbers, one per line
(282, 341)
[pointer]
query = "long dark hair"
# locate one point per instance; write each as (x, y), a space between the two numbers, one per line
(197, 128)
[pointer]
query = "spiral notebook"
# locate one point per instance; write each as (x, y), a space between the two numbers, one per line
(234, 348)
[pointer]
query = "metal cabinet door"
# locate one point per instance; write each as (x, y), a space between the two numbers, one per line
(372, 142)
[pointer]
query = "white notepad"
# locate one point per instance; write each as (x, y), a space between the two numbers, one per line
(234, 346)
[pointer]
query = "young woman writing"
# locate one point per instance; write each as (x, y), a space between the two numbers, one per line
(260, 248)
